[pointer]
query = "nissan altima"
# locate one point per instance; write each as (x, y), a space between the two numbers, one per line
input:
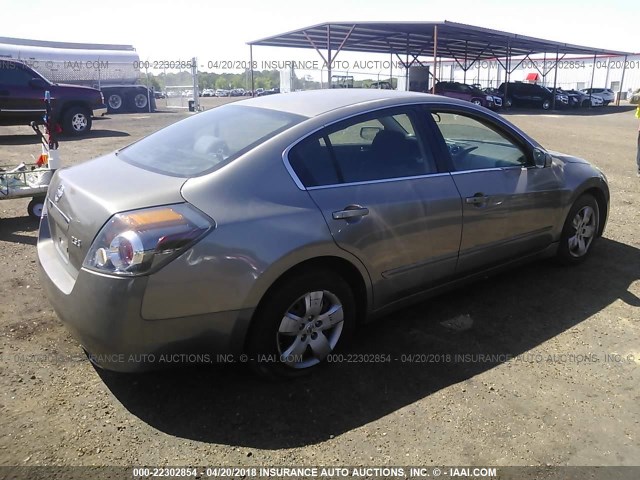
(273, 226)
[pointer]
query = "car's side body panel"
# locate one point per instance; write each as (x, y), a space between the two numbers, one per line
(266, 222)
(410, 237)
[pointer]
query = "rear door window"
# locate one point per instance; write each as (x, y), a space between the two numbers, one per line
(372, 147)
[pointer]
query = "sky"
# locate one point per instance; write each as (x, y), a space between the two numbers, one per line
(163, 30)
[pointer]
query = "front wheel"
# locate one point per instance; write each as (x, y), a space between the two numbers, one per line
(580, 231)
(76, 121)
(301, 323)
(546, 104)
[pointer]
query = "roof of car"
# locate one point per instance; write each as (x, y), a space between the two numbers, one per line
(316, 102)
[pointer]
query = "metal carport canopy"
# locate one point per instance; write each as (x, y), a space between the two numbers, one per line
(433, 39)
(452, 40)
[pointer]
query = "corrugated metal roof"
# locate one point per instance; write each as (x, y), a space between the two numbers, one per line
(454, 40)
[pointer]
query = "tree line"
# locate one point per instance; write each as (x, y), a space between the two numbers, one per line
(266, 79)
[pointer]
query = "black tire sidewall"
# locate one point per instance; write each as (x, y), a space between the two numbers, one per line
(261, 339)
(120, 108)
(132, 103)
(567, 230)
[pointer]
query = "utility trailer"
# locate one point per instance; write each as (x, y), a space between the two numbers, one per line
(113, 69)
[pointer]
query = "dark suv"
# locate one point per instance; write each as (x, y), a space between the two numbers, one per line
(465, 92)
(520, 94)
(22, 92)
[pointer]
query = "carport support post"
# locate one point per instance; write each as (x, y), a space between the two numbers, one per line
(406, 67)
(555, 79)
(435, 57)
(593, 73)
(196, 86)
(466, 50)
(606, 79)
(253, 87)
(329, 60)
(624, 69)
(507, 73)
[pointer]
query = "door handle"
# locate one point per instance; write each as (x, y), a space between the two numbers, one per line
(352, 211)
(477, 199)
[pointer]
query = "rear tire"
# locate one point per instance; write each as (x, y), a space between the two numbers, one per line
(115, 103)
(139, 102)
(76, 121)
(306, 318)
(580, 231)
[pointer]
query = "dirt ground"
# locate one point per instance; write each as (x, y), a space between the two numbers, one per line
(538, 366)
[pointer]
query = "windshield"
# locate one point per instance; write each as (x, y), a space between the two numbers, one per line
(207, 141)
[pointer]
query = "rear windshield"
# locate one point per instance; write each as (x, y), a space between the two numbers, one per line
(208, 140)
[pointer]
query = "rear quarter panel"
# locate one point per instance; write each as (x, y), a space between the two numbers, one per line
(265, 225)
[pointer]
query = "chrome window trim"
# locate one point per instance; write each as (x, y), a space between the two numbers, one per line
(462, 172)
(382, 180)
(492, 169)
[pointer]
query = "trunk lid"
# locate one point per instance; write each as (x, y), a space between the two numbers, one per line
(82, 198)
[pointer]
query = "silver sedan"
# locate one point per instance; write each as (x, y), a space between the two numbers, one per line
(272, 227)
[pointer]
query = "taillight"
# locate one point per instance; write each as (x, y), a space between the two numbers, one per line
(141, 241)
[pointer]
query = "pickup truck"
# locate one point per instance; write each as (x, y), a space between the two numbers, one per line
(22, 100)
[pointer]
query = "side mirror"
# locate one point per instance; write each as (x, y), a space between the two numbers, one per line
(541, 158)
(37, 83)
(369, 133)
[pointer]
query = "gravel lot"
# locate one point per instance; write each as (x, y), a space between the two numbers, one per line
(536, 366)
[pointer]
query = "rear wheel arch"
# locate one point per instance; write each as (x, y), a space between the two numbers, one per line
(347, 270)
(65, 108)
(271, 334)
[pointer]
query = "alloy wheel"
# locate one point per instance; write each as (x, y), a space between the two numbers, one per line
(79, 122)
(310, 329)
(585, 225)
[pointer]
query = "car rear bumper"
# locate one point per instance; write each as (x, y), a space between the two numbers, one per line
(104, 314)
